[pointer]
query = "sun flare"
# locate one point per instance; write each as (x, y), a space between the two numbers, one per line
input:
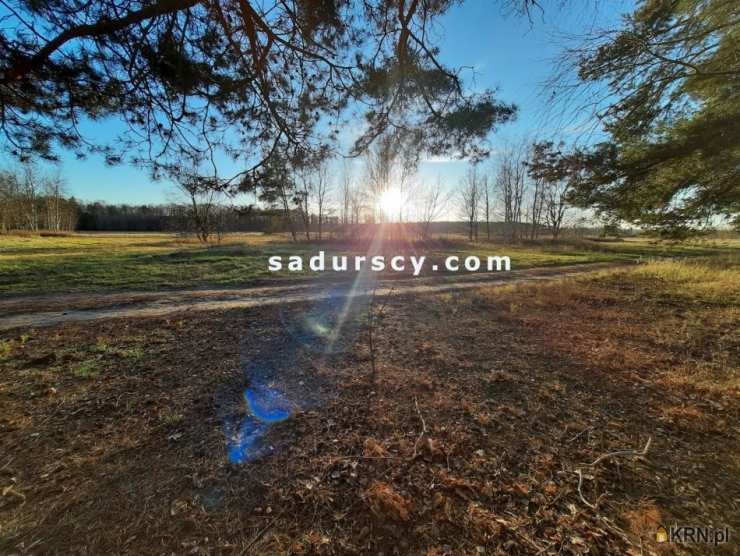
(390, 202)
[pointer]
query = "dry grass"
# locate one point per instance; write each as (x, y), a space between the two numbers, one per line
(484, 407)
(705, 280)
(681, 325)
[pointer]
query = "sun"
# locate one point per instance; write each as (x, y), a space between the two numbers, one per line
(390, 202)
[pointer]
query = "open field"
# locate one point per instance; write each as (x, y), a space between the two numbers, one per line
(47, 310)
(485, 407)
(437, 278)
(99, 262)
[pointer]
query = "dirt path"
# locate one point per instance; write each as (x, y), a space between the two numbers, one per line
(47, 310)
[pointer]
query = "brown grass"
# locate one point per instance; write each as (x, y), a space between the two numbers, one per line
(385, 503)
(518, 389)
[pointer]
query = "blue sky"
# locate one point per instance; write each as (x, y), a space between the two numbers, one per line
(507, 52)
(515, 55)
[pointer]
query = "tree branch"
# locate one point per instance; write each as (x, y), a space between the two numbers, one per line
(26, 65)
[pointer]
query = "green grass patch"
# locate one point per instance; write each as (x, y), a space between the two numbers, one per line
(101, 347)
(101, 262)
(104, 348)
(6, 348)
(105, 262)
(170, 419)
(87, 369)
(131, 353)
(89, 360)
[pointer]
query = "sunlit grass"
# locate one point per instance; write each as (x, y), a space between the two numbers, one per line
(705, 280)
(676, 320)
(32, 264)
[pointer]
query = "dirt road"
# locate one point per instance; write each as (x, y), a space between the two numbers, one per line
(47, 310)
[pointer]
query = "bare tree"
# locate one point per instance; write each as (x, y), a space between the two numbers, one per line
(31, 199)
(555, 173)
(54, 201)
(487, 204)
(556, 205)
(387, 165)
(9, 201)
(304, 196)
(284, 198)
(470, 199)
(432, 203)
(202, 196)
(537, 207)
(510, 184)
(322, 188)
(312, 193)
(540, 169)
(30, 187)
(358, 203)
(345, 194)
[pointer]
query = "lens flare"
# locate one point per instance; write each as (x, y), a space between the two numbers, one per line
(275, 391)
(245, 442)
(317, 327)
(267, 404)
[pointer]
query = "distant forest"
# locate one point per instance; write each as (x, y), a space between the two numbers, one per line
(31, 201)
(102, 217)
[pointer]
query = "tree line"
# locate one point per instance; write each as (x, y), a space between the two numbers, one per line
(530, 187)
(527, 192)
(523, 194)
(33, 201)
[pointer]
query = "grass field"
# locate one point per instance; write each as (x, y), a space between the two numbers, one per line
(141, 261)
(476, 433)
